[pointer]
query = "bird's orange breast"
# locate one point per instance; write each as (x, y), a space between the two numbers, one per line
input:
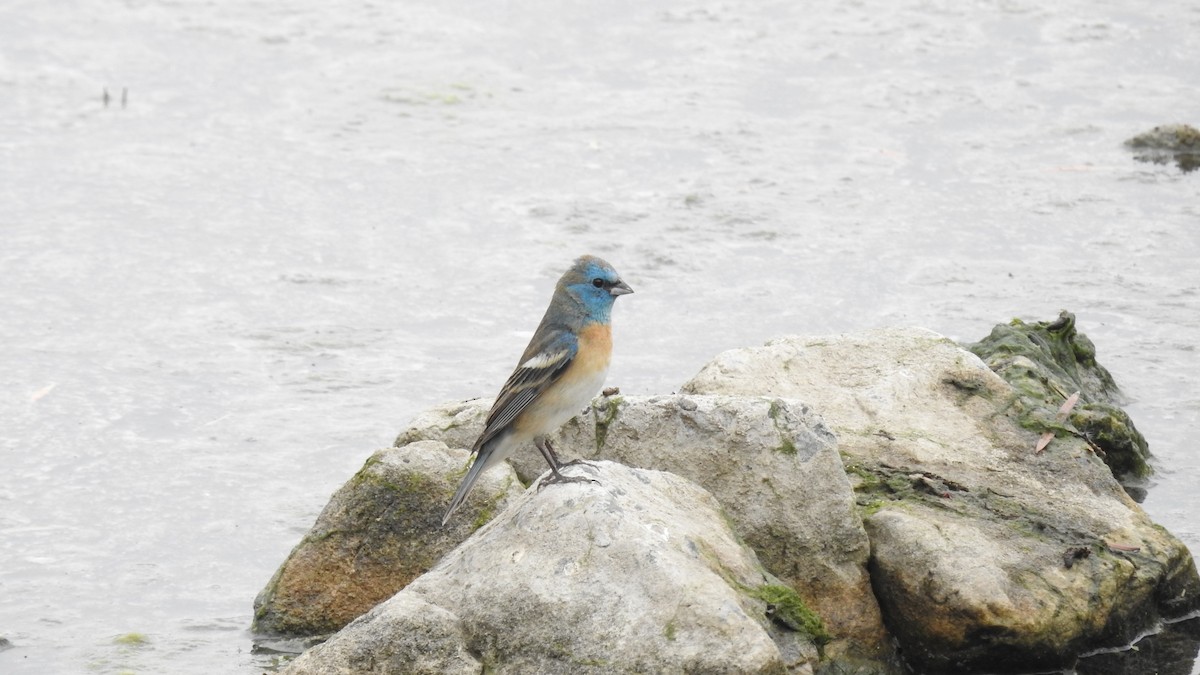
(563, 399)
(595, 348)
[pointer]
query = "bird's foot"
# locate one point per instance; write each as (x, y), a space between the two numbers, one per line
(547, 450)
(556, 477)
(579, 462)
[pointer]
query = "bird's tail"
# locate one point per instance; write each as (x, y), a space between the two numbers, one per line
(477, 467)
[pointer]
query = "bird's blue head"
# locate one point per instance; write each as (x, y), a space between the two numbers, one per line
(595, 284)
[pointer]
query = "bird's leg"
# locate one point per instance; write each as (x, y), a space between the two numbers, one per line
(547, 450)
(559, 464)
(543, 446)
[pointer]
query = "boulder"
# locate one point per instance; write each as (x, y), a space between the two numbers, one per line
(985, 555)
(770, 462)
(917, 499)
(379, 531)
(636, 572)
(1166, 143)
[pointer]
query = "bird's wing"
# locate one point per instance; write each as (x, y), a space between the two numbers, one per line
(544, 361)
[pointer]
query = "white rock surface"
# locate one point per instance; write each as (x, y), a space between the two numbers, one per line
(637, 573)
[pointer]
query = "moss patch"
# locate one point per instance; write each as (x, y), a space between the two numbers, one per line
(132, 640)
(876, 486)
(1162, 144)
(605, 417)
(785, 606)
(377, 533)
(786, 446)
(1063, 359)
(488, 510)
(1045, 362)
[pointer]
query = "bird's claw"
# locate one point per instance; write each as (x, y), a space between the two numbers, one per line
(556, 477)
(579, 462)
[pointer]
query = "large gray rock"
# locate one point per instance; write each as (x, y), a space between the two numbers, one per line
(985, 554)
(379, 531)
(638, 572)
(772, 465)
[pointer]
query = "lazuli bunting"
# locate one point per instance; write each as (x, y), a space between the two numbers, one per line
(561, 370)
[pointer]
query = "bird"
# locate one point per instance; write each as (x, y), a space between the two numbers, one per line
(560, 371)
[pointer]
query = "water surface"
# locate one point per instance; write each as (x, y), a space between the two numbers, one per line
(307, 222)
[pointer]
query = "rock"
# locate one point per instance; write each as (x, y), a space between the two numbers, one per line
(1046, 362)
(638, 572)
(772, 465)
(456, 424)
(380, 530)
(1174, 137)
(403, 635)
(986, 555)
(1169, 142)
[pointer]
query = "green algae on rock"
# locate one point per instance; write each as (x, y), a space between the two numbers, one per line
(1166, 143)
(1045, 362)
(787, 607)
(378, 532)
(969, 527)
(916, 500)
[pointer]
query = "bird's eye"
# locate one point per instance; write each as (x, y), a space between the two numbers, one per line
(598, 282)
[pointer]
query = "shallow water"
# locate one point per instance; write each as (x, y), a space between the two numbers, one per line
(308, 222)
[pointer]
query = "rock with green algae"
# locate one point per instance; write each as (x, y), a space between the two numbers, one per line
(1046, 361)
(1175, 137)
(379, 531)
(1179, 143)
(969, 528)
(786, 606)
(986, 556)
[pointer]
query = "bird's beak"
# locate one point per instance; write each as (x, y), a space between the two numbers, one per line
(620, 288)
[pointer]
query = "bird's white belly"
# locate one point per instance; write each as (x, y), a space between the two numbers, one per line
(569, 399)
